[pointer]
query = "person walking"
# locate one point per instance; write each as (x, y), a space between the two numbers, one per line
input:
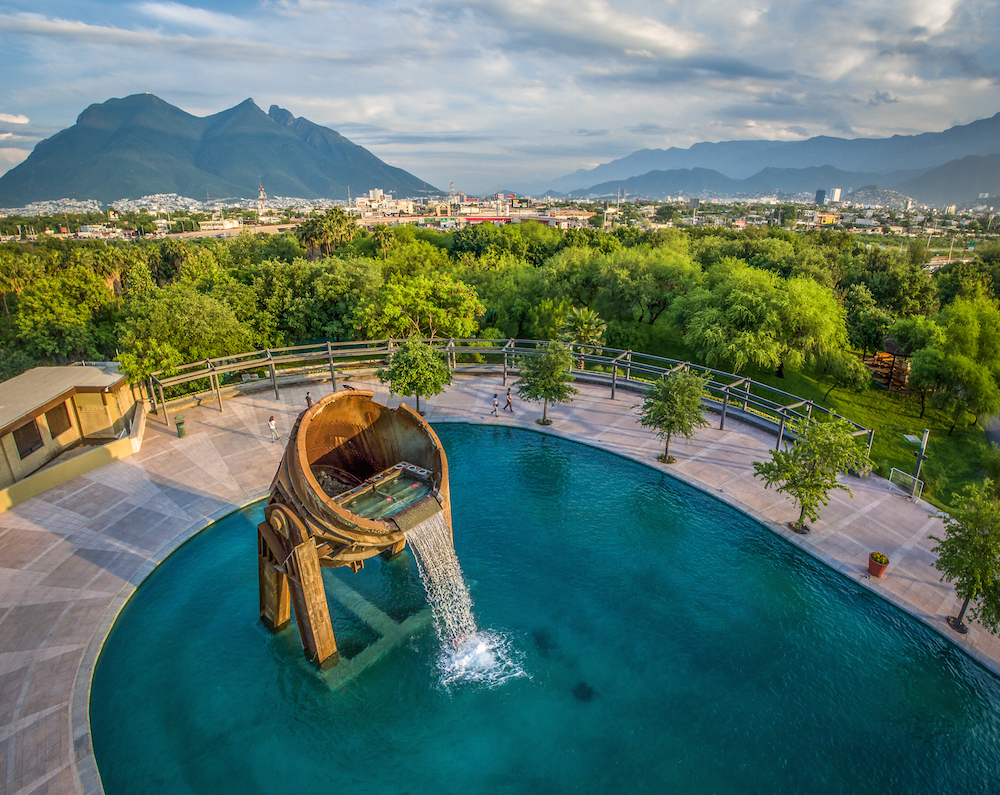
(509, 405)
(272, 426)
(496, 405)
(309, 400)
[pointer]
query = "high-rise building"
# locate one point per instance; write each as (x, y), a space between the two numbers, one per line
(834, 194)
(821, 197)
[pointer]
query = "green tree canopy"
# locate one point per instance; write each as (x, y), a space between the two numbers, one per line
(416, 369)
(867, 324)
(960, 365)
(969, 554)
(180, 325)
(737, 319)
(424, 306)
(546, 376)
(66, 315)
(672, 407)
(808, 471)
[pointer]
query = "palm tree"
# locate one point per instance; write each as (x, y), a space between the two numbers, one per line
(383, 239)
(584, 328)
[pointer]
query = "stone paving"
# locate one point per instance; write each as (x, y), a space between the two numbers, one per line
(70, 558)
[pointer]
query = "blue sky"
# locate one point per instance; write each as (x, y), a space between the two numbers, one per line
(484, 92)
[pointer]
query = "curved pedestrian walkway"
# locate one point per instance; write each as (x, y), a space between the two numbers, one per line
(70, 558)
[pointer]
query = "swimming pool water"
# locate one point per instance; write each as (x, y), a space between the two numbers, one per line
(671, 645)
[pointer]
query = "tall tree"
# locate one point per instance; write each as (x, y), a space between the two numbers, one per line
(673, 407)
(969, 555)
(546, 376)
(866, 322)
(420, 306)
(843, 369)
(808, 471)
(415, 369)
(738, 319)
(585, 328)
(180, 325)
(961, 364)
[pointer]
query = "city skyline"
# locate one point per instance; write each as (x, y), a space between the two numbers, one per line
(484, 93)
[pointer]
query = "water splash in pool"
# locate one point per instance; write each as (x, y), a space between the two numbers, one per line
(468, 654)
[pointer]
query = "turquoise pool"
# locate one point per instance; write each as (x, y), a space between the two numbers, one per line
(671, 645)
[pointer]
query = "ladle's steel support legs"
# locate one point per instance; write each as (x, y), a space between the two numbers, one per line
(312, 613)
(275, 603)
(289, 570)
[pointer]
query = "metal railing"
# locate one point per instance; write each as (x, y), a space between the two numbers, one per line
(728, 394)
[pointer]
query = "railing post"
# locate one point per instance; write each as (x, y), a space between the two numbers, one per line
(871, 440)
(166, 417)
(781, 431)
(614, 377)
(809, 409)
(152, 396)
(450, 353)
(333, 373)
(725, 405)
(218, 387)
(628, 365)
(274, 376)
(746, 399)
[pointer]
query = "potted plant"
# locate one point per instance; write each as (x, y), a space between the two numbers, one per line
(877, 563)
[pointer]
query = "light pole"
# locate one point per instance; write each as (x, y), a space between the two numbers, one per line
(921, 455)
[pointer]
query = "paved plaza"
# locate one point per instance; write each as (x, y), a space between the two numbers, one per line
(70, 558)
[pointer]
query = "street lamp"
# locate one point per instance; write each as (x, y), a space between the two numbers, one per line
(921, 455)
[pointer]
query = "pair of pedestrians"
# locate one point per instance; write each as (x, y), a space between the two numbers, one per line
(496, 404)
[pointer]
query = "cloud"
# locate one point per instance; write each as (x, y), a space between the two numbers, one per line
(482, 91)
(581, 26)
(882, 98)
(210, 48)
(184, 16)
(13, 156)
(648, 128)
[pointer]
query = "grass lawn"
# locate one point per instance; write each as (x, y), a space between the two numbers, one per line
(953, 461)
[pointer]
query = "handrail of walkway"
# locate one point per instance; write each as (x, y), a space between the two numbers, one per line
(728, 393)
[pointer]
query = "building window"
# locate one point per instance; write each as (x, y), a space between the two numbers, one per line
(28, 439)
(58, 420)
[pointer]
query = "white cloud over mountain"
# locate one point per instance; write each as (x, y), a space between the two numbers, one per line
(491, 91)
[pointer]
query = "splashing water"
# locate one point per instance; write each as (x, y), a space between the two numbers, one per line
(468, 654)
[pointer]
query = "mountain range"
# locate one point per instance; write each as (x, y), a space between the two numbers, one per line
(949, 167)
(141, 145)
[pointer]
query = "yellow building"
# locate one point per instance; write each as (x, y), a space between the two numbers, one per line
(49, 410)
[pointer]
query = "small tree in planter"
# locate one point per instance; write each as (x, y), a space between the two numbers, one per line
(546, 377)
(672, 407)
(969, 554)
(808, 472)
(415, 369)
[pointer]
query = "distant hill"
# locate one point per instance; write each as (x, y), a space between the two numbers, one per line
(743, 159)
(140, 145)
(956, 182)
(694, 181)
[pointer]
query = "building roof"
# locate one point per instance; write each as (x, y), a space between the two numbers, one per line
(25, 394)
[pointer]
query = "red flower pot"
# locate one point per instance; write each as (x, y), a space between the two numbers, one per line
(876, 569)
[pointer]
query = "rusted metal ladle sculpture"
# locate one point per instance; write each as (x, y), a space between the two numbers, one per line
(354, 478)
